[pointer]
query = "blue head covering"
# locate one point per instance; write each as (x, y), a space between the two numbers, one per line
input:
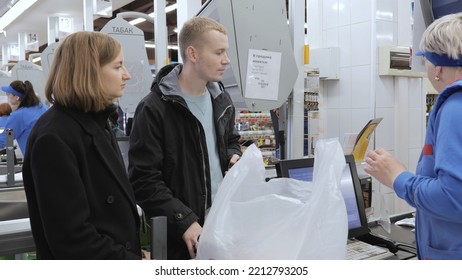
(10, 89)
(440, 59)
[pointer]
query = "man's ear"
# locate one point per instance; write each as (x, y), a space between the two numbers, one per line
(191, 53)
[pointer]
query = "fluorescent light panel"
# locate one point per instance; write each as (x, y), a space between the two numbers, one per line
(153, 46)
(20, 7)
(168, 9)
(136, 21)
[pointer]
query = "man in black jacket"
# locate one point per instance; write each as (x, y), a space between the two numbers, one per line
(183, 138)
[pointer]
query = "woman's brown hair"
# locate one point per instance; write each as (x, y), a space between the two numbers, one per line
(74, 80)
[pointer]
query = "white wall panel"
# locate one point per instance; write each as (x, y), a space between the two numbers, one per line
(385, 133)
(333, 124)
(386, 10)
(385, 97)
(416, 93)
(361, 10)
(415, 134)
(344, 42)
(344, 12)
(345, 123)
(330, 13)
(361, 44)
(359, 118)
(361, 86)
(331, 37)
(385, 33)
(339, 92)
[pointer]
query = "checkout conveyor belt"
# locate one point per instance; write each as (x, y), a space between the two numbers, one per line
(15, 232)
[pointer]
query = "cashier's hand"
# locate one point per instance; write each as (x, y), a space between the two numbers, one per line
(233, 161)
(191, 238)
(383, 166)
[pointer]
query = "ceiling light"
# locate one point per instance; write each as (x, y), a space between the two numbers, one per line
(136, 21)
(15, 11)
(168, 9)
(150, 45)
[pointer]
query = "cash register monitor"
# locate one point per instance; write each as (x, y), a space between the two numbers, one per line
(302, 169)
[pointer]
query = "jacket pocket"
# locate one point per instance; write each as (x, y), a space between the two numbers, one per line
(437, 254)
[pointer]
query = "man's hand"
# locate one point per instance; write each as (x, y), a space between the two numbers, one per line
(233, 161)
(191, 238)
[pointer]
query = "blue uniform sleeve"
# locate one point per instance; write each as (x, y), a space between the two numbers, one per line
(11, 123)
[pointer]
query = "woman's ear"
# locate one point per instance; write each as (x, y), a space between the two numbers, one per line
(438, 70)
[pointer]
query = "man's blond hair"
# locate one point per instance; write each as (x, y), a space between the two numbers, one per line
(192, 31)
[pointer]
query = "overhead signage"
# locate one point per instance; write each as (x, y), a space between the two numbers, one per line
(13, 52)
(102, 8)
(65, 27)
(31, 42)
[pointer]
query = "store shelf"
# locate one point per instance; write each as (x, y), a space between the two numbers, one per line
(257, 128)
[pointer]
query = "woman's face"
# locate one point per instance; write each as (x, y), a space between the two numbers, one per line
(14, 101)
(114, 76)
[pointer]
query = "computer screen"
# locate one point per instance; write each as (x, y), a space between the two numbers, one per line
(302, 169)
(301, 173)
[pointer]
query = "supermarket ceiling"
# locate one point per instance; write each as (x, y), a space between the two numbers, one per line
(35, 19)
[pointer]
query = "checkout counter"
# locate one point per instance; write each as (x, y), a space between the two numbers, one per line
(15, 232)
(402, 236)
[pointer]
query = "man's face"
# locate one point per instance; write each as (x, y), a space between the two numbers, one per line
(212, 56)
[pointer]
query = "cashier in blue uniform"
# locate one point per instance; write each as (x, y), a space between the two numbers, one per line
(435, 190)
(27, 109)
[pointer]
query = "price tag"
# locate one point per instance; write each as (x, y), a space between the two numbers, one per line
(32, 42)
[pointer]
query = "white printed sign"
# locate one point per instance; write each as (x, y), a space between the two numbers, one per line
(65, 26)
(263, 70)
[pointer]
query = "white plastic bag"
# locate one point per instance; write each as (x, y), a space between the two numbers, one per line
(280, 219)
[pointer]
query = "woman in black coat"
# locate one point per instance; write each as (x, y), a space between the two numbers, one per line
(81, 204)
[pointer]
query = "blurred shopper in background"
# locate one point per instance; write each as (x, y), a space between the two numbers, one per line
(5, 111)
(26, 107)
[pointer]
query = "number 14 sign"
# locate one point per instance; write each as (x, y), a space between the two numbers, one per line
(32, 42)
